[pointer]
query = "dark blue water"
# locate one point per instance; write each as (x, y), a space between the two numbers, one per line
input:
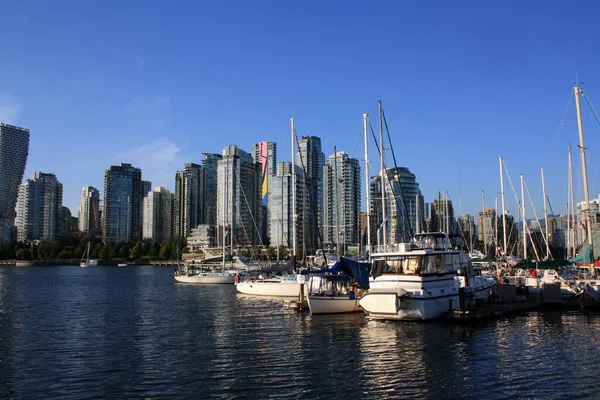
(108, 332)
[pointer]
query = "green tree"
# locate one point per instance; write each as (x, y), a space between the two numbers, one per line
(137, 251)
(24, 254)
(65, 254)
(154, 250)
(283, 252)
(113, 252)
(124, 251)
(165, 251)
(104, 253)
(271, 252)
(55, 248)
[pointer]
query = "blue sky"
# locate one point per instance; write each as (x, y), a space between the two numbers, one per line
(158, 83)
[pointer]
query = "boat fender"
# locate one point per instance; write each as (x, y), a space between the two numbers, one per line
(236, 279)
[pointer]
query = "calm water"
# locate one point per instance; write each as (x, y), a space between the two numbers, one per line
(70, 332)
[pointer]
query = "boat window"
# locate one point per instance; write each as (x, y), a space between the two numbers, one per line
(411, 265)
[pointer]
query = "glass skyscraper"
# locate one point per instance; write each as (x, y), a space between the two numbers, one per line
(40, 208)
(122, 217)
(14, 148)
(341, 200)
(158, 215)
(310, 159)
(404, 207)
(89, 211)
(189, 207)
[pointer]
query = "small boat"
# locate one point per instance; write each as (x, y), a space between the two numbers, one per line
(122, 264)
(279, 286)
(340, 289)
(332, 294)
(204, 275)
(85, 259)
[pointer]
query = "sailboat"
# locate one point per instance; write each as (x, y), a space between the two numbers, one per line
(85, 259)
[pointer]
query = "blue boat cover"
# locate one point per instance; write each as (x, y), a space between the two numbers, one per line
(357, 270)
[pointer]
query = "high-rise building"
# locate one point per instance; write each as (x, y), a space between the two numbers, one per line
(442, 216)
(209, 188)
(14, 148)
(238, 199)
(122, 215)
(89, 211)
(158, 215)
(280, 206)
(486, 226)
(310, 159)
(341, 200)
(189, 208)
(39, 208)
(466, 223)
(265, 154)
(404, 207)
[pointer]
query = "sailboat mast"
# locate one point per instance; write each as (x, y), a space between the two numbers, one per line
(294, 216)
(224, 206)
(503, 206)
(545, 214)
(588, 218)
(524, 219)
(417, 222)
(337, 204)
(496, 228)
(571, 210)
(483, 221)
(367, 178)
(383, 175)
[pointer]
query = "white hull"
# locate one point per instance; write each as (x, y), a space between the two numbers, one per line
(333, 304)
(90, 263)
(415, 298)
(207, 278)
(279, 288)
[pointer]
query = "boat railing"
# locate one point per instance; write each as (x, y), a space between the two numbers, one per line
(391, 248)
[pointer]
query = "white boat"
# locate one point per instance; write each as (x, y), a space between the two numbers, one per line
(422, 280)
(332, 294)
(123, 264)
(204, 276)
(85, 259)
(281, 286)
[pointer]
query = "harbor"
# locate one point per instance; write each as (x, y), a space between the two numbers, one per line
(134, 332)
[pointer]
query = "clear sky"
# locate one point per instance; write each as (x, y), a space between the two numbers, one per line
(158, 83)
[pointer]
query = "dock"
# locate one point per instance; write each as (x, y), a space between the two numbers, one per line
(295, 304)
(492, 310)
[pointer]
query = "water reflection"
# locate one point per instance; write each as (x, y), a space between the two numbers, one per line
(133, 332)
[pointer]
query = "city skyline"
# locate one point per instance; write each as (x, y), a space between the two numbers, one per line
(460, 84)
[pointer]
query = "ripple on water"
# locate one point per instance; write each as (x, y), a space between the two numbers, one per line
(133, 332)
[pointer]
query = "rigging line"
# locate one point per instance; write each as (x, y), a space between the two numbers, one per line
(249, 209)
(538, 221)
(591, 107)
(407, 219)
(310, 199)
(383, 176)
(553, 220)
(561, 124)
(513, 189)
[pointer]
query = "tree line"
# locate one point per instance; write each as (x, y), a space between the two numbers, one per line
(74, 248)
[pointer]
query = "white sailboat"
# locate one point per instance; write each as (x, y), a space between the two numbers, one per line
(85, 259)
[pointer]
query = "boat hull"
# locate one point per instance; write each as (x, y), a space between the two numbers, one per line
(207, 279)
(396, 306)
(333, 305)
(279, 289)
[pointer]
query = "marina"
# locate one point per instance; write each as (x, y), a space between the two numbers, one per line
(134, 332)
